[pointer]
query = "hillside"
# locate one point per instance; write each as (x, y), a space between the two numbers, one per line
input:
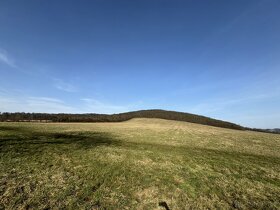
(155, 113)
(137, 164)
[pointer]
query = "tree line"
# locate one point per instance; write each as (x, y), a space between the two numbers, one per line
(162, 114)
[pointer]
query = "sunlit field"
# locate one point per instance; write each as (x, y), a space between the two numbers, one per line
(138, 164)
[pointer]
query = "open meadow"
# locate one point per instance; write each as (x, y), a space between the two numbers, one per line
(137, 164)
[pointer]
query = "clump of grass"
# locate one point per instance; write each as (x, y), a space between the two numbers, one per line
(139, 164)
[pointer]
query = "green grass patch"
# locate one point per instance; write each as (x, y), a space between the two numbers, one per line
(137, 165)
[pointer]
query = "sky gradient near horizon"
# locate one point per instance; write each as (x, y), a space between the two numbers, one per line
(215, 58)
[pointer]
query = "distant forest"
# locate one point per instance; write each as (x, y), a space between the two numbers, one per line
(153, 113)
(162, 114)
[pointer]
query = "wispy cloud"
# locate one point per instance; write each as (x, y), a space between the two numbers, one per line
(217, 105)
(17, 103)
(95, 106)
(51, 105)
(34, 104)
(6, 59)
(64, 86)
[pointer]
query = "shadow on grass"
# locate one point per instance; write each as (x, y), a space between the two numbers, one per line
(10, 128)
(22, 140)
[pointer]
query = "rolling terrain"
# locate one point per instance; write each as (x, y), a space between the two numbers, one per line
(152, 113)
(137, 164)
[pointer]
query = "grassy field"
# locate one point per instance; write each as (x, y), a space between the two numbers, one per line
(137, 164)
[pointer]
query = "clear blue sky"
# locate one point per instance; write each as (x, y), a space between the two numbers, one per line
(212, 57)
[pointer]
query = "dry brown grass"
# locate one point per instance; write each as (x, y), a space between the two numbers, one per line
(137, 164)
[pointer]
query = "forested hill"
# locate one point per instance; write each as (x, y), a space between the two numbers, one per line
(162, 114)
